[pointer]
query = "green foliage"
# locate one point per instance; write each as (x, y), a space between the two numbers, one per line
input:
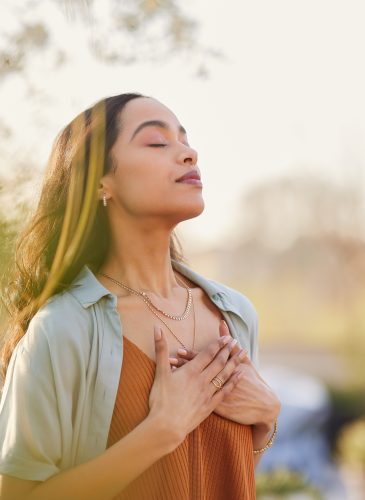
(282, 484)
(116, 32)
(11, 223)
(7, 237)
(27, 38)
(348, 403)
(7, 240)
(351, 443)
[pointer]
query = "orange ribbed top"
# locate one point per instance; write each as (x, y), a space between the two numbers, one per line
(214, 462)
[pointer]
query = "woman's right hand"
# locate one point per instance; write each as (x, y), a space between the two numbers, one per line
(181, 399)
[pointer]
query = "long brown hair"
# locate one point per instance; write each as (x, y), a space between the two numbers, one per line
(69, 229)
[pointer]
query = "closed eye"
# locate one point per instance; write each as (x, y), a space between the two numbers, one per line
(157, 145)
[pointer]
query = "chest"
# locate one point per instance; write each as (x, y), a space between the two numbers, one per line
(199, 328)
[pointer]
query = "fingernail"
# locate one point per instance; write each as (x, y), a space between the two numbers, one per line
(226, 339)
(183, 352)
(157, 332)
(233, 343)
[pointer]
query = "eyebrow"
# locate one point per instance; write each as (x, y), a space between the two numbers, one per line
(155, 123)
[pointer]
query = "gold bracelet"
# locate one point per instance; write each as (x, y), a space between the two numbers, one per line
(270, 441)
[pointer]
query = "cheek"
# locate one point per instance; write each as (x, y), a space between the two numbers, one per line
(140, 190)
(153, 199)
(145, 188)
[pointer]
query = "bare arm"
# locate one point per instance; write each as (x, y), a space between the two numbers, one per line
(179, 401)
(261, 434)
(103, 477)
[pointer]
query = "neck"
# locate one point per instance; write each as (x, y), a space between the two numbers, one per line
(140, 258)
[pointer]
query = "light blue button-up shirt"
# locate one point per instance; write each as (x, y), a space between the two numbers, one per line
(61, 385)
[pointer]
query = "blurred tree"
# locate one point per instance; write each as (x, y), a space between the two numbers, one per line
(281, 211)
(298, 252)
(7, 234)
(284, 485)
(39, 37)
(351, 445)
(14, 212)
(8, 231)
(116, 32)
(33, 44)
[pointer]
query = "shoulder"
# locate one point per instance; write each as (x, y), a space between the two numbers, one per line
(68, 324)
(227, 298)
(62, 306)
(241, 315)
(55, 349)
(238, 299)
(60, 328)
(61, 313)
(239, 310)
(236, 302)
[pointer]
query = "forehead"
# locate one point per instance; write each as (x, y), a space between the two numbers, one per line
(144, 109)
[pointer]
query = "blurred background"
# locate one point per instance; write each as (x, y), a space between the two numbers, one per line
(272, 96)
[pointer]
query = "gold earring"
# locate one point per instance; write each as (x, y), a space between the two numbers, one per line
(104, 200)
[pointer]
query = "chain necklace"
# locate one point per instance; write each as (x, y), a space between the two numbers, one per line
(153, 308)
(146, 298)
(170, 330)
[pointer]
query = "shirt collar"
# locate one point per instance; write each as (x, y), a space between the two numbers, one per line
(88, 290)
(221, 295)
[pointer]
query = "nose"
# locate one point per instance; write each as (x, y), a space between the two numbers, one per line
(188, 156)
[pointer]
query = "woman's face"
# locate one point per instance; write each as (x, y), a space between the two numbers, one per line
(150, 155)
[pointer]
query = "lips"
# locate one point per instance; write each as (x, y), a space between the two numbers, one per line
(193, 175)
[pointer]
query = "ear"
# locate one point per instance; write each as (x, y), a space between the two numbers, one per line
(103, 190)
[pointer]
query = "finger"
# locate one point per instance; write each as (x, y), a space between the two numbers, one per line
(234, 347)
(162, 354)
(231, 383)
(223, 328)
(245, 359)
(177, 362)
(182, 362)
(235, 350)
(231, 367)
(188, 354)
(184, 353)
(208, 354)
(218, 363)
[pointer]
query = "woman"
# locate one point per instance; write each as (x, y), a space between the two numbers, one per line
(124, 381)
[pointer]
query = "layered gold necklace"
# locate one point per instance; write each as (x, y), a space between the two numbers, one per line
(156, 310)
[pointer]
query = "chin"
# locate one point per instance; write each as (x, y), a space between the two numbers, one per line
(192, 210)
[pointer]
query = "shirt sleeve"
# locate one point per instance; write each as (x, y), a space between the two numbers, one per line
(30, 428)
(249, 331)
(254, 343)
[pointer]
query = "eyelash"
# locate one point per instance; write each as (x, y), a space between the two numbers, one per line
(157, 145)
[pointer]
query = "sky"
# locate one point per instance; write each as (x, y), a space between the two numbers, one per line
(287, 98)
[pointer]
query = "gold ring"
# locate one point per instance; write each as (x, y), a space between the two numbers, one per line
(217, 382)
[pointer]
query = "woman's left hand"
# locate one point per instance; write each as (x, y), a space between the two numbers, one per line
(252, 401)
